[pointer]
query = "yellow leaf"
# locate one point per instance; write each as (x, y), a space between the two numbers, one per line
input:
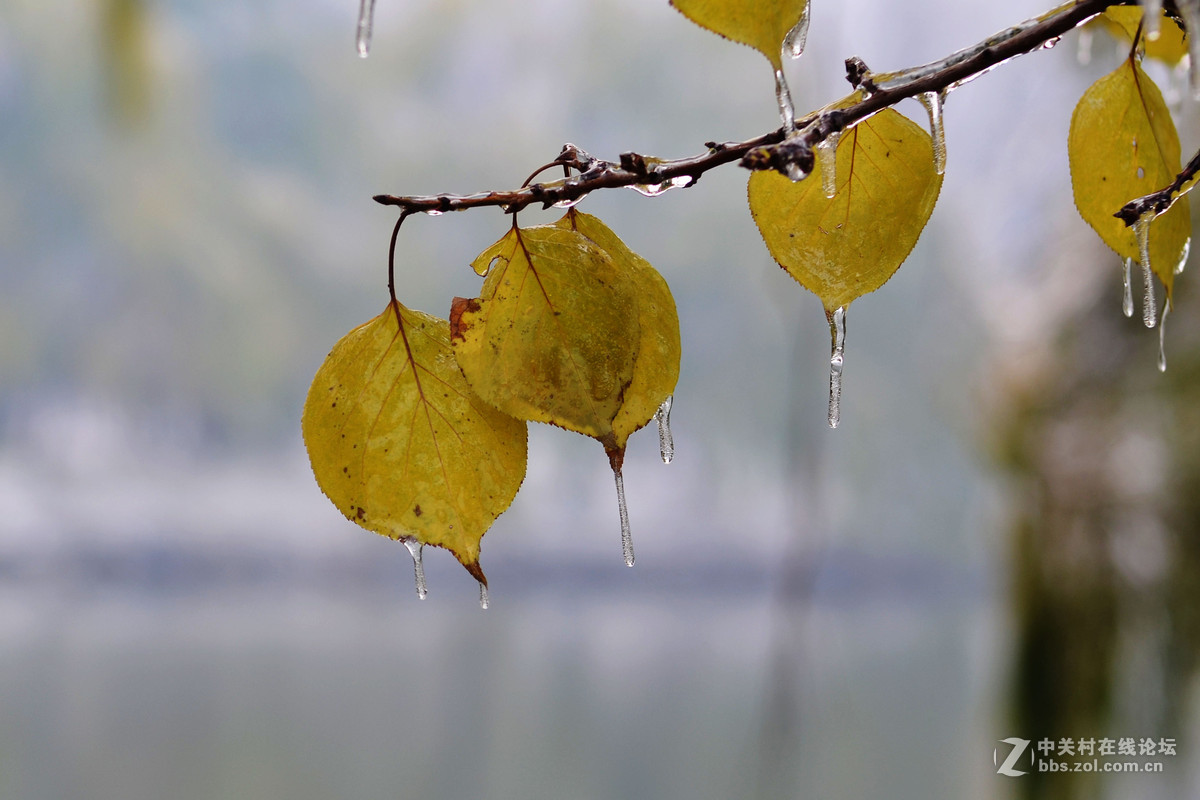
(554, 334)
(656, 370)
(1123, 145)
(400, 443)
(761, 24)
(842, 247)
(1171, 44)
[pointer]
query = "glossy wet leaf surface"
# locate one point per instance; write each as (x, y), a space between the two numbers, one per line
(401, 444)
(842, 247)
(656, 370)
(554, 334)
(1123, 145)
(761, 24)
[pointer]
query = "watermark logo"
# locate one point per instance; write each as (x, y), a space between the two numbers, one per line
(1009, 767)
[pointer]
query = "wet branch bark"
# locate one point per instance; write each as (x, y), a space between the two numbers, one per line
(782, 150)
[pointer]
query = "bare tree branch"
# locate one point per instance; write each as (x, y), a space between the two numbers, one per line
(782, 150)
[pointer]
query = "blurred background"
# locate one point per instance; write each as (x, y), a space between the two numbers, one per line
(1002, 539)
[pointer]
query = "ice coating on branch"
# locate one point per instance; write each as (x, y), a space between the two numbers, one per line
(837, 330)
(1126, 279)
(655, 189)
(626, 534)
(366, 21)
(933, 104)
(1183, 257)
(1190, 11)
(787, 112)
(483, 596)
(826, 153)
(1152, 10)
(666, 444)
(795, 173)
(1149, 305)
(1162, 338)
(569, 203)
(793, 43)
(414, 548)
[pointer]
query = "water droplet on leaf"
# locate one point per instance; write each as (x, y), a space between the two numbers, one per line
(666, 444)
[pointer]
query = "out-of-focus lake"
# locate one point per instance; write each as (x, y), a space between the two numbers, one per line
(186, 228)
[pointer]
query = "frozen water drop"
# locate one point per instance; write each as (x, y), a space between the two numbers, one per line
(483, 596)
(1149, 305)
(434, 212)
(787, 112)
(1127, 295)
(626, 534)
(826, 153)
(414, 548)
(933, 104)
(666, 444)
(1152, 10)
(795, 173)
(655, 189)
(1050, 43)
(837, 331)
(366, 21)
(1162, 338)
(793, 43)
(1183, 257)
(1083, 52)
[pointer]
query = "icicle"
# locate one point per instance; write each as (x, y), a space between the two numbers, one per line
(414, 548)
(483, 596)
(1183, 257)
(1127, 297)
(837, 330)
(666, 444)
(626, 535)
(655, 189)
(793, 43)
(1152, 10)
(933, 104)
(826, 153)
(787, 112)
(1083, 53)
(1190, 11)
(366, 21)
(1162, 338)
(1149, 306)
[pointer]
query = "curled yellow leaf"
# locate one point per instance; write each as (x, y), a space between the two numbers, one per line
(845, 246)
(400, 443)
(1123, 145)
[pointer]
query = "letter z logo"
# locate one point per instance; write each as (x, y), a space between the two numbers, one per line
(1009, 766)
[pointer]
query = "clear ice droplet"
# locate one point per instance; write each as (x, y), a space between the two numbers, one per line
(626, 535)
(1149, 305)
(415, 548)
(666, 444)
(1083, 52)
(793, 43)
(837, 331)
(1162, 338)
(483, 596)
(787, 112)
(366, 21)
(434, 212)
(933, 105)
(795, 173)
(1127, 293)
(655, 189)
(826, 153)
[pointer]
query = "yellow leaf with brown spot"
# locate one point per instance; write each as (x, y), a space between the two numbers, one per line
(400, 443)
(761, 24)
(842, 247)
(553, 336)
(1123, 145)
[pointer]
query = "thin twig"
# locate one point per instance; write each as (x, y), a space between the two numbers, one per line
(776, 150)
(1158, 202)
